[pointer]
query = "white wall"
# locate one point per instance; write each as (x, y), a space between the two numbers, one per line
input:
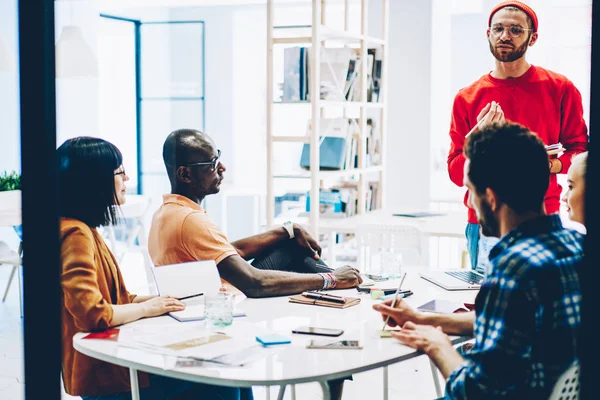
(9, 93)
(77, 98)
(409, 96)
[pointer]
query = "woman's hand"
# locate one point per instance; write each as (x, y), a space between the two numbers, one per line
(162, 305)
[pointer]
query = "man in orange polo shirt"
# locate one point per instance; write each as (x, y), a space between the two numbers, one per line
(286, 259)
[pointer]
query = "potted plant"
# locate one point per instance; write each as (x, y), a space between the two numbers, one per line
(10, 191)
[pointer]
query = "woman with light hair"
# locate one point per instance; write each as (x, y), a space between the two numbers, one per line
(574, 197)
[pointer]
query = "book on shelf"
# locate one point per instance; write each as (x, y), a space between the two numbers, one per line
(340, 74)
(330, 202)
(341, 200)
(294, 80)
(333, 134)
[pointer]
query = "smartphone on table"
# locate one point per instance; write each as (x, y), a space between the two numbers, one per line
(310, 330)
(340, 344)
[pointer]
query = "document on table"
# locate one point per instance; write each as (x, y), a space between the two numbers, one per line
(194, 343)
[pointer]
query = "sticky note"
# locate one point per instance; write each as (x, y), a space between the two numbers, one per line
(269, 340)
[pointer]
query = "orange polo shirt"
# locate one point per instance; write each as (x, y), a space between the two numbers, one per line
(182, 231)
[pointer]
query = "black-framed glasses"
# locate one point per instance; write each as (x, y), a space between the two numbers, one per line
(514, 31)
(214, 163)
(121, 172)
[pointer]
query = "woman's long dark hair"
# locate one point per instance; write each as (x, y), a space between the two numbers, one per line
(86, 168)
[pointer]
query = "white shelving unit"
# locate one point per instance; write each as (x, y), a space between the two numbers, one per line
(319, 35)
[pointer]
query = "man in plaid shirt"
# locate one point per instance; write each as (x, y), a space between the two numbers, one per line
(527, 313)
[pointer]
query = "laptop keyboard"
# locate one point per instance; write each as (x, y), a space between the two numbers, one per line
(467, 276)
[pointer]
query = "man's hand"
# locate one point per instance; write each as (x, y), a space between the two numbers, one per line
(347, 277)
(425, 338)
(399, 315)
(305, 240)
(433, 342)
(491, 113)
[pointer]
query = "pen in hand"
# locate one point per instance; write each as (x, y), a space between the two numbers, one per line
(394, 301)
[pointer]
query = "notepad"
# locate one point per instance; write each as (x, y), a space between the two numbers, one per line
(326, 301)
(445, 307)
(188, 282)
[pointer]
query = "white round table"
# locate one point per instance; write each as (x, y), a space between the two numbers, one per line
(286, 364)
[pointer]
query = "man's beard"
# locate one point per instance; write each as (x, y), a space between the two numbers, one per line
(509, 57)
(488, 221)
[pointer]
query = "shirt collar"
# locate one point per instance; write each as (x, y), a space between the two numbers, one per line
(532, 227)
(181, 201)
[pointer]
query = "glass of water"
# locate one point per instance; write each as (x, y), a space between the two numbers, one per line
(218, 309)
(391, 264)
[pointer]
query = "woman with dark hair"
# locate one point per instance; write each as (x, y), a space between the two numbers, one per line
(91, 188)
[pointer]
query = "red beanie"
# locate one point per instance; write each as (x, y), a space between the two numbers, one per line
(521, 6)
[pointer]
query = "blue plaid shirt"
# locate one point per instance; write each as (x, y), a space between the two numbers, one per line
(527, 315)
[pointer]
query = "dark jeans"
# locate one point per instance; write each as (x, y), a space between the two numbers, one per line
(163, 388)
(289, 256)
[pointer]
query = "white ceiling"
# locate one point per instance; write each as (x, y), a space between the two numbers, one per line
(114, 4)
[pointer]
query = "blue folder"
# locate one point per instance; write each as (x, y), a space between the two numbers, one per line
(332, 154)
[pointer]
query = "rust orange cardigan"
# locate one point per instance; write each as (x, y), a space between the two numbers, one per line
(91, 281)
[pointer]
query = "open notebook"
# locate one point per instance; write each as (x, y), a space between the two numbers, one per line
(188, 282)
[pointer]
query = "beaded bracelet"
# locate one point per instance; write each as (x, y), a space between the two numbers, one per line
(329, 280)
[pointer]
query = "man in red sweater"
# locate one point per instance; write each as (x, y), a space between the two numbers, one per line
(543, 101)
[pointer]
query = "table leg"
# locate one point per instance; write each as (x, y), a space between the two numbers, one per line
(135, 387)
(268, 392)
(293, 392)
(281, 392)
(436, 379)
(325, 389)
(19, 272)
(10, 278)
(385, 383)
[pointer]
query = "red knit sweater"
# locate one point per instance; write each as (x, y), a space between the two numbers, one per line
(545, 102)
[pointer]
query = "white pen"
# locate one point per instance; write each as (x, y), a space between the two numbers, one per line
(394, 301)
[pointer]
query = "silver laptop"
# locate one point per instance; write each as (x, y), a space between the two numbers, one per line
(458, 279)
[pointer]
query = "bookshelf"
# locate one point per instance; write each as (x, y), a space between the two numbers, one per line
(319, 36)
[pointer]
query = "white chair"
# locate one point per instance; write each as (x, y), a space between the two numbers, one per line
(10, 257)
(132, 234)
(373, 240)
(567, 386)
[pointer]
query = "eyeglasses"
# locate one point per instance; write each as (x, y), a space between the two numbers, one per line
(514, 31)
(121, 172)
(214, 163)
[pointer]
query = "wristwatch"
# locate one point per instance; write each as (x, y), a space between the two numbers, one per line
(289, 227)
